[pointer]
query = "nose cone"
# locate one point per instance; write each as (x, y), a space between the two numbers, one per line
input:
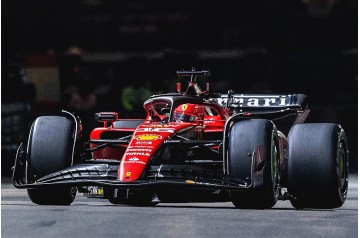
(131, 170)
(146, 140)
(138, 154)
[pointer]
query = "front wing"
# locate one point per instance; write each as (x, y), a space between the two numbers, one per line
(97, 175)
(105, 175)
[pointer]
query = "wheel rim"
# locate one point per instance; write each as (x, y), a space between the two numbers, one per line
(275, 170)
(73, 191)
(342, 167)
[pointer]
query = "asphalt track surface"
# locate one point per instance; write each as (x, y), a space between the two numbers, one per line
(98, 218)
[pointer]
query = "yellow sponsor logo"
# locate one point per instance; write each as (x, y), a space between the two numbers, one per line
(128, 174)
(184, 107)
(147, 137)
(100, 191)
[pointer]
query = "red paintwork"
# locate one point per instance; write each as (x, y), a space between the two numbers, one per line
(146, 140)
(107, 152)
(148, 137)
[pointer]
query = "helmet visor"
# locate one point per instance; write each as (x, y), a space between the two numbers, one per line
(183, 117)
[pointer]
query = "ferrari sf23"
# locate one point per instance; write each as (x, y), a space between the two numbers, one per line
(193, 146)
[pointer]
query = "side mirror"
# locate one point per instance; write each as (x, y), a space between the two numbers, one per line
(106, 116)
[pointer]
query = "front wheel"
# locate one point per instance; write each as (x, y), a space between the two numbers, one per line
(318, 167)
(52, 196)
(50, 149)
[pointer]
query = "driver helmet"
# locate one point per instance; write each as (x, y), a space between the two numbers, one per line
(189, 113)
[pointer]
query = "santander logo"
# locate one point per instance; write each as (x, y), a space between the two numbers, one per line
(148, 137)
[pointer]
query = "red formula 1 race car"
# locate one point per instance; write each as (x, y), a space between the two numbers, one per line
(193, 146)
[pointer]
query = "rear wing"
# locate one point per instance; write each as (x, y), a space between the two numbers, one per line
(261, 102)
(283, 110)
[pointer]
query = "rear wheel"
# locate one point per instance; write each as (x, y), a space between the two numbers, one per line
(318, 166)
(255, 137)
(50, 149)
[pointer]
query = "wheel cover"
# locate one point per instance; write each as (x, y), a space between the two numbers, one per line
(73, 191)
(275, 164)
(342, 168)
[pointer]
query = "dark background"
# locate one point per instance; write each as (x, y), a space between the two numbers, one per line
(256, 46)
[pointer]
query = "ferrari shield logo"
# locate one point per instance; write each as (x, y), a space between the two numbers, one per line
(184, 107)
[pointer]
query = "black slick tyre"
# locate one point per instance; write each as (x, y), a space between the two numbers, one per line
(50, 149)
(318, 168)
(245, 138)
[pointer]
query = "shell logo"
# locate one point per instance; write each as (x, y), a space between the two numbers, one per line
(147, 137)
